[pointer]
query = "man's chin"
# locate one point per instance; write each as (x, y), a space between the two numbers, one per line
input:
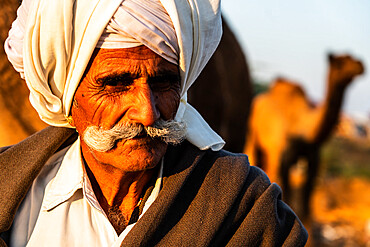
(132, 155)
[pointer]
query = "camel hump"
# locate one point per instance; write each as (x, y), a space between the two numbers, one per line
(283, 86)
(344, 67)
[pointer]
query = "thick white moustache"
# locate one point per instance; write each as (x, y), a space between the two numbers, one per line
(102, 140)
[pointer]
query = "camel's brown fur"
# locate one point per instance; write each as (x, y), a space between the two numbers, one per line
(223, 91)
(18, 118)
(285, 126)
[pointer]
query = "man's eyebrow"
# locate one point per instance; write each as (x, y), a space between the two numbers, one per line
(166, 73)
(115, 77)
(165, 77)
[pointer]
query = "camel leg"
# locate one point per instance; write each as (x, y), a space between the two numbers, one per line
(272, 165)
(250, 150)
(313, 165)
(289, 158)
(256, 156)
(284, 177)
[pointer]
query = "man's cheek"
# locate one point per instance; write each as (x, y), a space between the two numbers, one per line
(168, 107)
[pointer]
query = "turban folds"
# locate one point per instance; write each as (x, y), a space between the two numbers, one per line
(138, 22)
(58, 38)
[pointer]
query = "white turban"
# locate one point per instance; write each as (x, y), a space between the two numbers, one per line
(138, 22)
(51, 42)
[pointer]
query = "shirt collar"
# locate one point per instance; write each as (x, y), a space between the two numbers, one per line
(69, 178)
(72, 176)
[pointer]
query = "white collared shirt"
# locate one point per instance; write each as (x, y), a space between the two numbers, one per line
(61, 209)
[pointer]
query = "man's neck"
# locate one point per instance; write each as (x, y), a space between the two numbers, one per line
(117, 191)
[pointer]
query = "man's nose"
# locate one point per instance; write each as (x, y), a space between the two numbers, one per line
(144, 107)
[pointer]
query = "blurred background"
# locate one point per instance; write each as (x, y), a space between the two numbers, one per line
(292, 39)
(264, 40)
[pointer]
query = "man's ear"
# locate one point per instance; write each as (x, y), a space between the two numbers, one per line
(69, 118)
(70, 121)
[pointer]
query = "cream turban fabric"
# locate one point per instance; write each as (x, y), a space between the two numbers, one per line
(138, 22)
(51, 42)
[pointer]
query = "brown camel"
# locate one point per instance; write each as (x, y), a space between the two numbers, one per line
(223, 91)
(284, 126)
(226, 112)
(18, 118)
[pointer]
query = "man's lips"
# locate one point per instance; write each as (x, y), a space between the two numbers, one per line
(142, 137)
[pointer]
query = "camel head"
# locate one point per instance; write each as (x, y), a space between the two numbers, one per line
(343, 69)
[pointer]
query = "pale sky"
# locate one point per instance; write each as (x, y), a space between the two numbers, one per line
(292, 38)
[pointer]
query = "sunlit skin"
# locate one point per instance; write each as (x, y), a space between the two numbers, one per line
(132, 85)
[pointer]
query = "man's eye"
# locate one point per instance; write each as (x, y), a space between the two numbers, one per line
(160, 86)
(164, 83)
(120, 82)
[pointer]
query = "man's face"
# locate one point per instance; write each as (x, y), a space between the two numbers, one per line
(132, 85)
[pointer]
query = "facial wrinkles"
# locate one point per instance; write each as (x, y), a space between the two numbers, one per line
(107, 104)
(144, 71)
(111, 99)
(147, 64)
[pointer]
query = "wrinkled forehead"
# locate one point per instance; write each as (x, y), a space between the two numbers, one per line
(130, 60)
(136, 53)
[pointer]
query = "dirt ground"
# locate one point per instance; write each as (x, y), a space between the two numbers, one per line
(341, 213)
(341, 200)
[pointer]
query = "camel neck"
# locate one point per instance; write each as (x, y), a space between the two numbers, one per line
(330, 110)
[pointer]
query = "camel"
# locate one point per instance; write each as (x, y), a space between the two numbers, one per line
(226, 112)
(223, 91)
(18, 118)
(285, 126)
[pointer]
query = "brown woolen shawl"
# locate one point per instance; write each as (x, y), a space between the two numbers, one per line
(21, 163)
(207, 199)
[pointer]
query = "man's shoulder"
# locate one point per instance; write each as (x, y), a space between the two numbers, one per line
(48, 140)
(21, 163)
(233, 162)
(226, 158)
(3, 149)
(220, 186)
(228, 162)
(216, 166)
